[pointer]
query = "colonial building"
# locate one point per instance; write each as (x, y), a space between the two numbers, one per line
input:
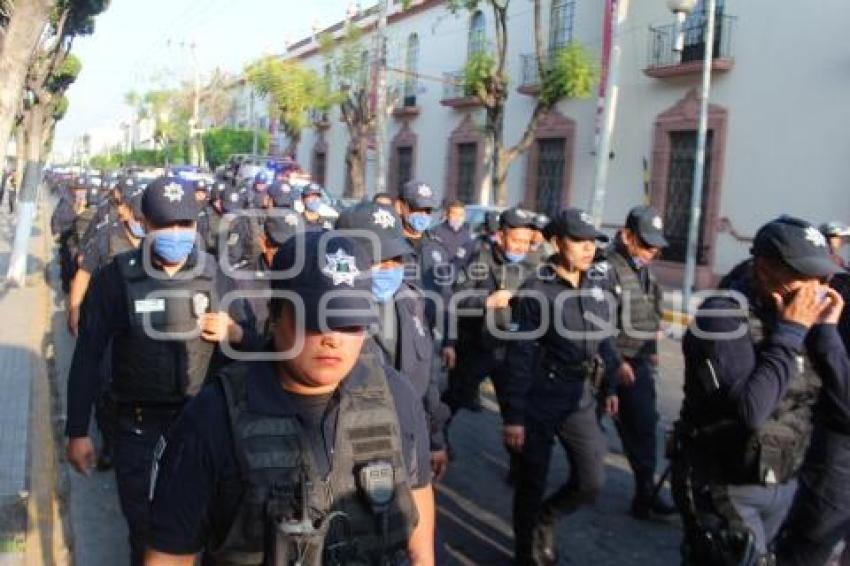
(778, 116)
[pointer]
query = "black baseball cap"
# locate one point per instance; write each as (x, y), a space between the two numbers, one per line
(336, 273)
(232, 200)
(647, 224)
(419, 195)
(574, 223)
(279, 228)
(381, 221)
(281, 194)
(516, 218)
(166, 201)
(797, 244)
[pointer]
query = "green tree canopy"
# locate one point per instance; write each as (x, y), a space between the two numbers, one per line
(220, 143)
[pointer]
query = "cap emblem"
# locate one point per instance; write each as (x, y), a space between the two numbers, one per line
(341, 267)
(656, 223)
(291, 220)
(585, 217)
(815, 237)
(383, 218)
(173, 192)
(424, 191)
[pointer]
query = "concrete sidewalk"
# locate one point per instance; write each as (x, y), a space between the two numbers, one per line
(30, 526)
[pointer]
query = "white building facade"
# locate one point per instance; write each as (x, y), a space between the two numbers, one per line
(777, 138)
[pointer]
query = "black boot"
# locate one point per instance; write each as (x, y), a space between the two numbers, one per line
(649, 504)
(544, 551)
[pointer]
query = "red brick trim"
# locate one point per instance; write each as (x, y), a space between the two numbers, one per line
(404, 138)
(465, 132)
(683, 116)
(552, 125)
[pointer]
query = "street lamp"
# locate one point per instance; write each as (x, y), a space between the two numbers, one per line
(681, 8)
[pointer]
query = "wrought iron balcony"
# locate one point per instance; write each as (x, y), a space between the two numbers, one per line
(455, 92)
(530, 83)
(665, 62)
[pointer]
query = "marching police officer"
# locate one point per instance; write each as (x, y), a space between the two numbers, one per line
(158, 306)
(639, 311)
(429, 267)
(453, 234)
(549, 388)
(314, 459)
(836, 234)
(486, 286)
(754, 365)
(403, 340)
(238, 248)
(311, 196)
(70, 204)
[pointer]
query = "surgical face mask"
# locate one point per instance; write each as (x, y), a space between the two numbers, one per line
(456, 225)
(173, 246)
(419, 221)
(136, 229)
(313, 205)
(514, 257)
(385, 282)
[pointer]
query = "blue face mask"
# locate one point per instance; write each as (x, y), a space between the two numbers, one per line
(136, 229)
(173, 246)
(385, 282)
(419, 221)
(514, 257)
(313, 205)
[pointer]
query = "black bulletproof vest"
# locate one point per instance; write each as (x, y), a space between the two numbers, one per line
(118, 240)
(643, 316)
(274, 463)
(771, 454)
(170, 363)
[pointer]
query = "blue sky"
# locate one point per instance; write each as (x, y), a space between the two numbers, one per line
(136, 46)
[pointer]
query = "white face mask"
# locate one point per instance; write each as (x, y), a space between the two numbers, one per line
(456, 225)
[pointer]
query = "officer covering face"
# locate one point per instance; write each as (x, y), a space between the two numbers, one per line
(158, 307)
(313, 459)
(755, 363)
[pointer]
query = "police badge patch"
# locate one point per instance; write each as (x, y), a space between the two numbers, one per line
(341, 267)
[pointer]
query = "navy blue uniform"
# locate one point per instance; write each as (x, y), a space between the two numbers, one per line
(549, 390)
(198, 483)
(456, 242)
(431, 270)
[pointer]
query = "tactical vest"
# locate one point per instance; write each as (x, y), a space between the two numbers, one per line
(771, 454)
(161, 368)
(505, 276)
(274, 462)
(644, 317)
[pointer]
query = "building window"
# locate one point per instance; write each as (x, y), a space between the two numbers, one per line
(411, 69)
(561, 23)
(467, 154)
(404, 165)
(477, 34)
(320, 163)
(677, 204)
(550, 174)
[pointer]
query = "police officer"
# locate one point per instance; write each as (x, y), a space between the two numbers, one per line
(71, 203)
(549, 388)
(158, 306)
(256, 278)
(281, 195)
(238, 242)
(754, 363)
(429, 267)
(83, 221)
(639, 302)
(404, 340)
(315, 459)
(107, 206)
(311, 197)
(485, 287)
(453, 232)
(213, 209)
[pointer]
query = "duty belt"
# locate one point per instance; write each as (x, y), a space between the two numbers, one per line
(556, 369)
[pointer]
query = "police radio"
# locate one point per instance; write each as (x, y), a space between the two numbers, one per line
(376, 481)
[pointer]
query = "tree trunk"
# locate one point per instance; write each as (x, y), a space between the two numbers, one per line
(22, 35)
(356, 170)
(292, 146)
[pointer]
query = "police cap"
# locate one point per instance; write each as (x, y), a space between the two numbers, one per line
(797, 244)
(381, 221)
(647, 224)
(574, 223)
(419, 195)
(516, 218)
(232, 200)
(281, 194)
(835, 229)
(167, 201)
(279, 228)
(334, 272)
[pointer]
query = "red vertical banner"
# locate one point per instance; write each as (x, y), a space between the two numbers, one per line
(607, 32)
